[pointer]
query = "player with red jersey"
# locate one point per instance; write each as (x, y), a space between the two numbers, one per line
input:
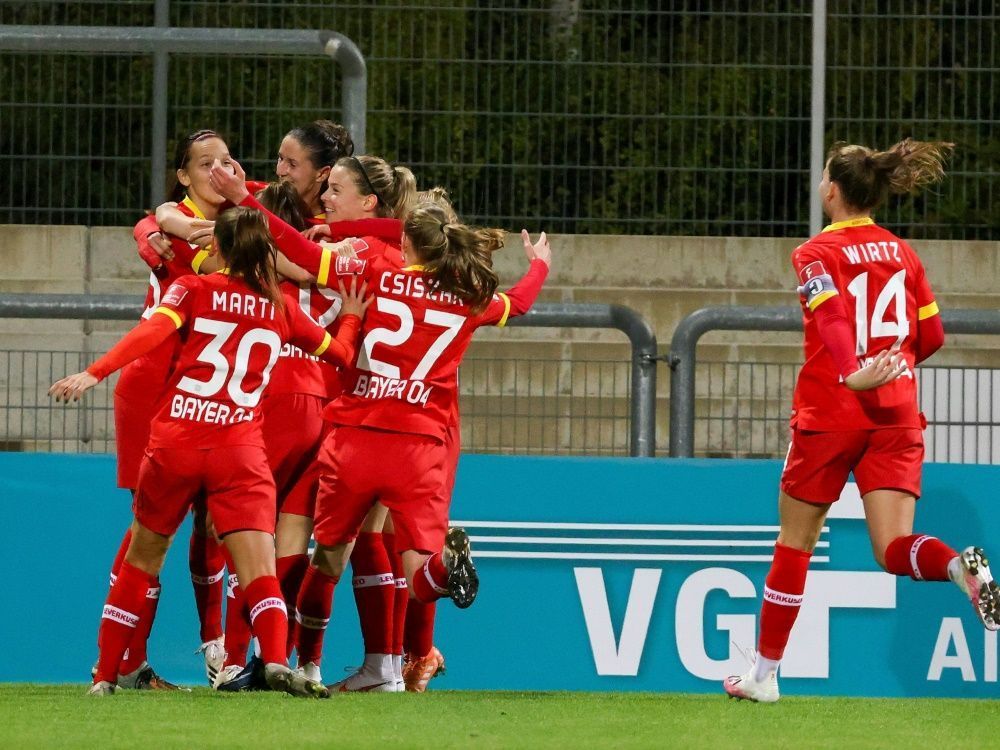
(425, 315)
(206, 436)
(142, 381)
(869, 318)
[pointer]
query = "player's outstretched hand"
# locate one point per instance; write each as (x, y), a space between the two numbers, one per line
(73, 386)
(354, 301)
(539, 250)
(229, 181)
(884, 368)
(317, 232)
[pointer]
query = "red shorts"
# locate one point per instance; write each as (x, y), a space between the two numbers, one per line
(819, 463)
(405, 472)
(293, 430)
(236, 483)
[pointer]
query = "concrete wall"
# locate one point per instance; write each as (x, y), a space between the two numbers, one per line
(663, 278)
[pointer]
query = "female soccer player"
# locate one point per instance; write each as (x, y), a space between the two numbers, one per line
(869, 317)
(206, 437)
(400, 395)
(136, 394)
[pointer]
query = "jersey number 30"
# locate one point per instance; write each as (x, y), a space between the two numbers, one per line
(893, 293)
(231, 376)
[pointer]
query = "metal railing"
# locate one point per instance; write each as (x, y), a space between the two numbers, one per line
(748, 403)
(599, 433)
(161, 42)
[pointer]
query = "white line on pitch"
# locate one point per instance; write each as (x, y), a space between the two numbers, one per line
(628, 542)
(627, 556)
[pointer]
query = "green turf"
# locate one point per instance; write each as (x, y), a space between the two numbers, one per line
(62, 716)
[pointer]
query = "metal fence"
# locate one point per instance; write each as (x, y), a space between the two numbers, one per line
(675, 117)
(741, 409)
(540, 406)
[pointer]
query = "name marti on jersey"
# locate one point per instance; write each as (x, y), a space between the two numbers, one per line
(868, 252)
(237, 303)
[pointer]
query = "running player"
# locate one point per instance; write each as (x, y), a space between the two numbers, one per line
(136, 394)
(869, 317)
(443, 294)
(206, 436)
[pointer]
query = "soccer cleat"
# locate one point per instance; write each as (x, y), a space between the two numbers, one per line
(311, 671)
(102, 688)
(977, 582)
(215, 657)
(366, 679)
(744, 687)
(463, 581)
(417, 672)
(237, 679)
(144, 678)
(279, 677)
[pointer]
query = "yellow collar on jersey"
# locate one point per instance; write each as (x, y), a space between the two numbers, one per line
(415, 268)
(863, 221)
(194, 208)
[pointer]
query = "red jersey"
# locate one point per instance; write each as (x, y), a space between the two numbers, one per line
(885, 292)
(155, 366)
(231, 340)
(412, 341)
(382, 237)
(298, 371)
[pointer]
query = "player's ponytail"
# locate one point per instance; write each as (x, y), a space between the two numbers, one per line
(458, 258)
(281, 200)
(866, 177)
(243, 240)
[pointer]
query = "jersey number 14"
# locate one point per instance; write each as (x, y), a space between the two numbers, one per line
(893, 293)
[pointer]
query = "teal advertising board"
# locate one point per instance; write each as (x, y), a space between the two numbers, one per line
(597, 574)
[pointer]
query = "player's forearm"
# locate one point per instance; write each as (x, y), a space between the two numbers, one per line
(300, 251)
(524, 293)
(140, 340)
(173, 221)
(343, 347)
(141, 232)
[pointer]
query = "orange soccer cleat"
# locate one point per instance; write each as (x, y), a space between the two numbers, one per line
(417, 672)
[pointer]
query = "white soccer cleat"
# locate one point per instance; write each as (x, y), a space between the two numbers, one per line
(215, 657)
(397, 673)
(282, 679)
(226, 675)
(374, 676)
(310, 670)
(102, 688)
(976, 582)
(744, 687)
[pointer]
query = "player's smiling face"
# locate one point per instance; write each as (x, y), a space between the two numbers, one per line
(342, 200)
(295, 166)
(195, 174)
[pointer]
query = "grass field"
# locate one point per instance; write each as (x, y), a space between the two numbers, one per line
(61, 716)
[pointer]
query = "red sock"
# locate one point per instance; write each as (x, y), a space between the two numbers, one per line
(122, 612)
(290, 571)
(430, 583)
(374, 591)
(115, 567)
(237, 618)
(206, 562)
(268, 618)
(418, 635)
(135, 654)
(312, 614)
(402, 595)
(921, 557)
(782, 598)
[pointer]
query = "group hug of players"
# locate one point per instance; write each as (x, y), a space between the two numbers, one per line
(311, 392)
(294, 377)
